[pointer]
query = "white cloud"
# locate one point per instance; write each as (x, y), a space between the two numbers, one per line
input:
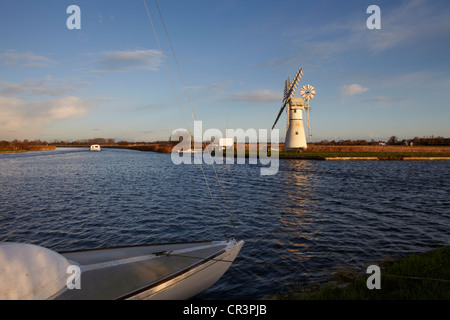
(219, 86)
(353, 89)
(262, 96)
(48, 86)
(387, 99)
(214, 87)
(15, 59)
(412, 22)
(28, 107)
(195, 88)
(62, 109)
(21, 119)
(403, 23)
(126, 61)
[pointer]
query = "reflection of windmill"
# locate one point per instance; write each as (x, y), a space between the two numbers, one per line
(295, 132)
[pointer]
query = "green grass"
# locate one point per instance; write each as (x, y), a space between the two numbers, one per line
(380, 155)
(321, 155)
(12, 150)
(424, 276)
(28, 148)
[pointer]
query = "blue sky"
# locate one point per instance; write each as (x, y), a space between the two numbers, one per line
(109, 80)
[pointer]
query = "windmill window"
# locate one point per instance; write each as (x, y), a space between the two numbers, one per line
(295, 111)
(296, 132)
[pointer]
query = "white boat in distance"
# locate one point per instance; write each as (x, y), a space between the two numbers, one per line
(190, 151)
(169, 271)
(95, 147)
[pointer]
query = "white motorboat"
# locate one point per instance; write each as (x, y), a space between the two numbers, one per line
(190, 151)
(95, 147)
(169, 271)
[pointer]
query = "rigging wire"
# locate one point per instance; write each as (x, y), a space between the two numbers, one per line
(193, 111)
(164, 60)
(218, 180)
(176, 61)
(179, 104)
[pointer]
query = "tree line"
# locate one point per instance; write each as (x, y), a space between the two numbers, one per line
(21, 144)
(393, 140)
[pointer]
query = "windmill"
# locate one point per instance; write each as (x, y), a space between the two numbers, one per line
(295, 132)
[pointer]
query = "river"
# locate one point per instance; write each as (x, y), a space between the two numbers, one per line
(299, 225)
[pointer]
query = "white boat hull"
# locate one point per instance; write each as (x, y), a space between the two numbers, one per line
(95, 147)
(166, 271)
(171, 271)
(194, 281)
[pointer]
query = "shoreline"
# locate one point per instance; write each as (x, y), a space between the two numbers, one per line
(419, 276)
(338, 153)
(317, 152)
(29, 148)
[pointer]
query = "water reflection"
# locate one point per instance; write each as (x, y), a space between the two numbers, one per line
(312, 216)
(297, 215)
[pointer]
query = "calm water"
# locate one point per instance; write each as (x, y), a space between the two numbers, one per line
(299, 225)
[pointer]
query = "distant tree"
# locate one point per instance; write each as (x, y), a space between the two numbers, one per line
(36, 142)
(392, 140)
(16, 144)
(4, 144)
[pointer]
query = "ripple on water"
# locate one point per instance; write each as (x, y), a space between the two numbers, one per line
(298, 225)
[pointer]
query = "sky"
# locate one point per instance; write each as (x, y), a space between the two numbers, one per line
(111, 79)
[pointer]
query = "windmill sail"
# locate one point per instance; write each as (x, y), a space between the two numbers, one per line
(308, 92)
(297, 109)
(279, 114)
(287, 86)
(290, 93)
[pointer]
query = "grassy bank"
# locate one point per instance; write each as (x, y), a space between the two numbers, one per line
(154, 148)
(319, 152)
(12, 150)
(424, 276)
(324, 155)
(347, 155)
(40, 148)
(28, 148)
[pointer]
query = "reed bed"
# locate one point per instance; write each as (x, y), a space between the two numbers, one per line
(408, 149)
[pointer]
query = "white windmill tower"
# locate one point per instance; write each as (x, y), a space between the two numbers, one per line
(295, 131)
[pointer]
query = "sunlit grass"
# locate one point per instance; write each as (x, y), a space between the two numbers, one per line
(307, 154)
(424, 276)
